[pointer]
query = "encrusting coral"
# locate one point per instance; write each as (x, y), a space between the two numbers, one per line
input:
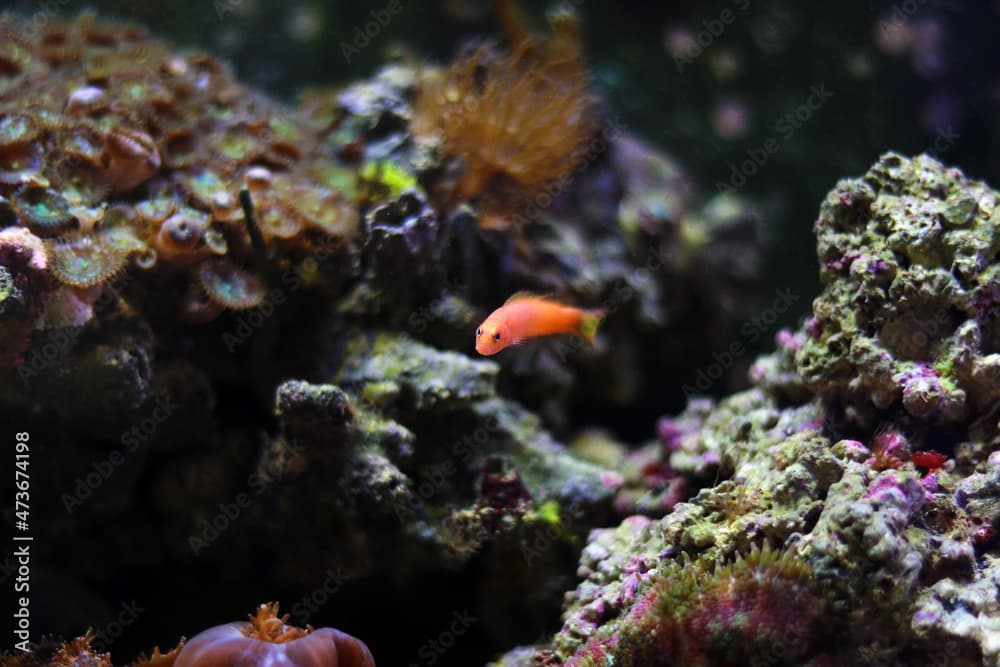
(404, 490)
(911, 312)
(113, 149)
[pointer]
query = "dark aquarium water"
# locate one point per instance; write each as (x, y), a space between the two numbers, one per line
(579, 334)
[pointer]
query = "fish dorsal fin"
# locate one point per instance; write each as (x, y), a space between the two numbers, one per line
(524, 294)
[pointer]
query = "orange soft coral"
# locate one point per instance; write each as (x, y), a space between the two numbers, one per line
(512, 122)
(80, 652)
(158, 659)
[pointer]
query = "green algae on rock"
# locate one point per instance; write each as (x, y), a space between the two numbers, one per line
(424, 377)
(410, 461)
(909, 315)
(782, 469)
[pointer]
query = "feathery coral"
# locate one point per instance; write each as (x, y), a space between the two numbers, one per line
(158, 659)
(79, 653)
(512, 121)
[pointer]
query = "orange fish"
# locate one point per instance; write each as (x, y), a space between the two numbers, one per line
(526, 316)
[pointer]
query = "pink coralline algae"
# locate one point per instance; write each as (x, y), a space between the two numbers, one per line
(907, 318)
(868, 449)
(889, 488)
(889, 450)
(24, 290)
(650, 485)
(760, 607)
(670, 433)
(926, 395)
(788, 340)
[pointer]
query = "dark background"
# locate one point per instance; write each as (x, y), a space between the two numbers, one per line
(930, 82)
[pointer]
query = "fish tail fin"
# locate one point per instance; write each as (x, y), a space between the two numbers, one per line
(588, 324)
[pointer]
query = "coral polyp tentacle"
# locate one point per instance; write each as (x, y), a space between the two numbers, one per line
(43, 210)
(85, 260)
(229, 285)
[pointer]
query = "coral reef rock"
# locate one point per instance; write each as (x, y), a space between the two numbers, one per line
(858, 477)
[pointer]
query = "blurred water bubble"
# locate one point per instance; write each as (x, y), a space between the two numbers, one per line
(731, 118)
(860, 64)
(680, 41)
(892, 36)
(923, 38)
(230, 38)
(928, 38)
(725, 64)
(771, 34)
(941, 111)
(305, 23)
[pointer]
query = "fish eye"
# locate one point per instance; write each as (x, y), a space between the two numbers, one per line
(496, 336)
(479, 332)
